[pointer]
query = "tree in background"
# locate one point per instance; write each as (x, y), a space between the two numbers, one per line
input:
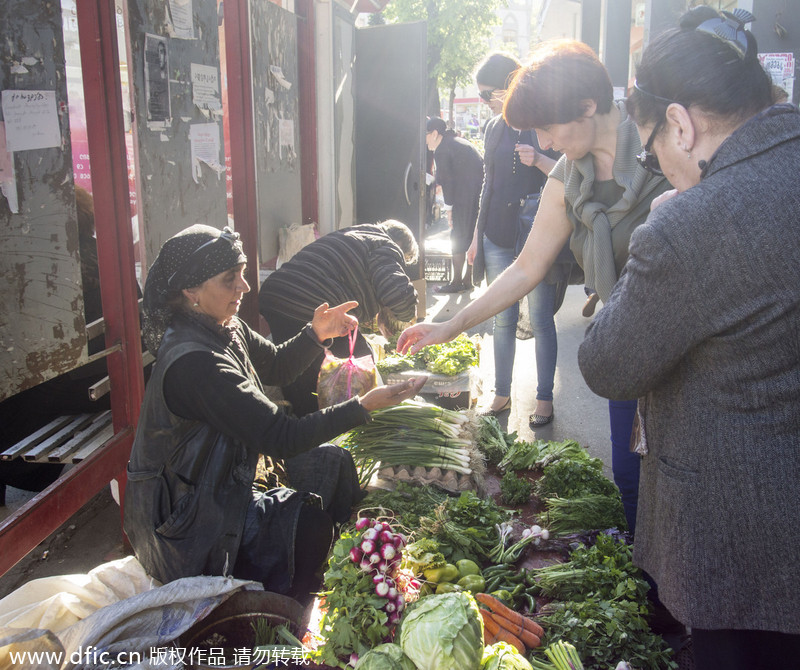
(458, 37)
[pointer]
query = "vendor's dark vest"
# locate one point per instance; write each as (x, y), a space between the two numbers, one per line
(189, 485)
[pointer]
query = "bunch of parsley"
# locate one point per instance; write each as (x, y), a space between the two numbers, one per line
(354, 620)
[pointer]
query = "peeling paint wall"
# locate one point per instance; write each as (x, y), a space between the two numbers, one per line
(276, 113)
(176, 84)
(42, 329)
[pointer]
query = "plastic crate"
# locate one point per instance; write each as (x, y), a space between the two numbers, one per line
(437, 268)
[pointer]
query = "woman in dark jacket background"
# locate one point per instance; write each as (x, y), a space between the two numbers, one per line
(365, 263)
(459, 171)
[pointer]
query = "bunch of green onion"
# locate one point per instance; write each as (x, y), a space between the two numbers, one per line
(412, 433)
(562, 655)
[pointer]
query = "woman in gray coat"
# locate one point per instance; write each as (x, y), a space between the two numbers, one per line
(704, 327)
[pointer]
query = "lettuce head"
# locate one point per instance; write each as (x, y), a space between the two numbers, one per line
(385, 657)
(443, 632)
(503, 656)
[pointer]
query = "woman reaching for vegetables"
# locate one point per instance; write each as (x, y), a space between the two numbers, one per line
(190, 507)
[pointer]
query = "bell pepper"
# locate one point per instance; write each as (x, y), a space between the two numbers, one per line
(472, 583)
(447, 573)
(467, 567)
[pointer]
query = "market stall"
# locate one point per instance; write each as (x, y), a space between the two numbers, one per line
(473, 549)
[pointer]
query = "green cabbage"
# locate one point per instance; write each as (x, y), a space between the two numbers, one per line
(502, 656)
(443, 632)
(385, 657)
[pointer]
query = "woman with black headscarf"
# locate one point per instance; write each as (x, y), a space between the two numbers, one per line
(190, 506)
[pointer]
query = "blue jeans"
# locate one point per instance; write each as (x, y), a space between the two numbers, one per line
(624, 462)
(540, 306)
(541, 302)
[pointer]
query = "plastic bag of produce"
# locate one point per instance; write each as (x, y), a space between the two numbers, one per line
(342, 378)
(502, 656)
(443, 632)
(385, 657)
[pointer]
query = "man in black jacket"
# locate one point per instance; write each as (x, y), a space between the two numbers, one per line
(366, 263)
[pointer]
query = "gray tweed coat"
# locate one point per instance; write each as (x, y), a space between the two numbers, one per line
(704, 327)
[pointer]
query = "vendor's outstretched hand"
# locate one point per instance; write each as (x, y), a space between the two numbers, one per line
(333, 321)
(386, 396)
(413, 338)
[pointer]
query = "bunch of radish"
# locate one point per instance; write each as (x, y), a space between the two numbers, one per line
(379, 553)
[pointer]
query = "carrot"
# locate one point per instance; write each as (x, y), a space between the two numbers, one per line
(515, 617)
(530, 640)
(489, 624)
(505, 636)
(494, 632)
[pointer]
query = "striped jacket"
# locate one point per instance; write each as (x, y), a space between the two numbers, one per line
(357, 263)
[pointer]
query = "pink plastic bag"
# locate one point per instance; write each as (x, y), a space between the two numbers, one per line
(340, 379)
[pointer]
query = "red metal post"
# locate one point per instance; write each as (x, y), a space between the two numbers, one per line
(42, 515)
(106, 133)
(242, 145)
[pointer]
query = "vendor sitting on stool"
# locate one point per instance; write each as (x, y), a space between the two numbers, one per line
(190, 505)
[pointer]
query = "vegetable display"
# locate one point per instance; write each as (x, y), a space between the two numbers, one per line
(450, 358)
(569, 515)
(385, 657)
(562, 656)
(571, 478)
(363, 601)
(443, 632)
(454, 594)
(503, 656)
(411, 433)
(464, 527)
(515, 490)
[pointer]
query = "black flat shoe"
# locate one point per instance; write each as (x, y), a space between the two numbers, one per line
(448, 288)
(537, 420)
(496, 412)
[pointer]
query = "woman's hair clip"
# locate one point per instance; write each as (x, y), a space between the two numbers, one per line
(730, 26)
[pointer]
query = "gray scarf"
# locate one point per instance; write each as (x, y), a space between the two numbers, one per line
(578, 176)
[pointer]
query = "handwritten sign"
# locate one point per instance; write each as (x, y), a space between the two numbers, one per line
(31, 120)
(205, 87)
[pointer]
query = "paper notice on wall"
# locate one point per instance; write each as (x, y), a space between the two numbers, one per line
(286, 135)
(31, 120)
(156, 82)
(205, 146)
(780, 68)
(205, 87)
(277, 72)
(182, 24)
(8, 180)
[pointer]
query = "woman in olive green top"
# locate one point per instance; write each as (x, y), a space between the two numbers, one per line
(595, 196)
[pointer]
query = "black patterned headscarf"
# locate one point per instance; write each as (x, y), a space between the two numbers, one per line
(186, 260)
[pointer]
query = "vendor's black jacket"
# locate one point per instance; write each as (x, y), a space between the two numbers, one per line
(193, 461)
(357, 263)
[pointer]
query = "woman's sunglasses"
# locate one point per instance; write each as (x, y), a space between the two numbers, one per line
(486, 94)
(646, 158)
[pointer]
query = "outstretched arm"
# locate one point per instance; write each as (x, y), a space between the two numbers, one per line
(551, 230)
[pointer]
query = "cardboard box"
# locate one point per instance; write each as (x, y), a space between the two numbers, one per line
(421, 286)
(459, 391)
